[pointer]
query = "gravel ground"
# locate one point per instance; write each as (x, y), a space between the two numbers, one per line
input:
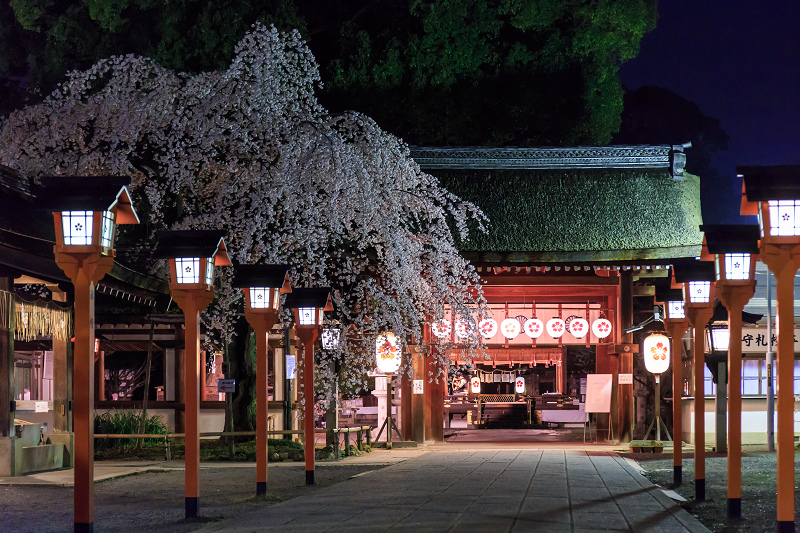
(154, 501)
(759, 507)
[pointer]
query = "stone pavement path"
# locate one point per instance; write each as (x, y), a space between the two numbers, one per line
(558, 490)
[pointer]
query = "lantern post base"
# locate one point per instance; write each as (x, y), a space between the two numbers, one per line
(261, 488)
(734, 507)
(84, 527)
(309, 477)
(677, 475)
(192, 506)
(700, 489)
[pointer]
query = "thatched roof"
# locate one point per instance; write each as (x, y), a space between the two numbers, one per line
(574, 214)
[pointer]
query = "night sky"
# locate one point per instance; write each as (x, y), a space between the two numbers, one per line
(740, 62)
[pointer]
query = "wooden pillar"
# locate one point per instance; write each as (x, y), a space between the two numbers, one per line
(62, 383)
(676, 330)
(434, 397)
(308, 336)
(418, 400)
(192, 302)
(561, 372)
(100, 377)
(604, 363)
(699, 317)
(180, 391)
(624, 393)
(7, 436)
(784, 262)
(406, 416)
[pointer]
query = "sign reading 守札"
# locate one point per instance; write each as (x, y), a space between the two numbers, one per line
(418, 386)
(226, 385)
(754, 340)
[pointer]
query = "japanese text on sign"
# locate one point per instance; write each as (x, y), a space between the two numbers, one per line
(754, 340)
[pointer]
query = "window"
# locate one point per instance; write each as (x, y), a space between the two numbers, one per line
(709, 387)
(752, 380)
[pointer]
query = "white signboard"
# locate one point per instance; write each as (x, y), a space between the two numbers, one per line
(226, 385)
(754, 340)
(598, 393)
(419, 385)
(291, 367)
(41, 407)
(625, 379)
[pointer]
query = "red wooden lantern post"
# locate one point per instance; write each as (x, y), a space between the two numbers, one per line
(736, 247)
(86, 211)
(698, 288)
(308, 306)
(676, 324)
(192, 255)
(773, 193)
(262, 285)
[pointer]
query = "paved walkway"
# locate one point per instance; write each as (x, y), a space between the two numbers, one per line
(461, 489)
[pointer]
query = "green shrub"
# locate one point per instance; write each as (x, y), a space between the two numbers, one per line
(127, 422)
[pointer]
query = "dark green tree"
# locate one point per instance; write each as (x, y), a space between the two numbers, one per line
(497, 72)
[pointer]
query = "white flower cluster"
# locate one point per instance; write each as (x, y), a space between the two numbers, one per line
(251, 151)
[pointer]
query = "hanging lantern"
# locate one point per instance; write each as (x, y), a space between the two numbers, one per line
(441, 328)
(519, 385)
(533, 328)
(555, 327)
(487, 327)
(601, 328)
(656, 353)
(579, 327)
(509, 328)
(475, 385)
(463, 329)
(387, 353)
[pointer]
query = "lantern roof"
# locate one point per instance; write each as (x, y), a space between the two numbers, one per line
(686, 271)
(665, 294)
(317, 297)
(731, 238)
(193, 243)
(778, 182)
(273, 276)
(89, 193)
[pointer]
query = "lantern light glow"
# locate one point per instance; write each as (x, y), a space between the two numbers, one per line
(783, 218)
(519, 385)
(675, 309)
(533, 327)
(387, 353)
(488, 328)
(475, 385)
(510, 328)
(555, 327)
(737, 266)
(699, 291)
(601, 328)
(579, 327)
(656, 353)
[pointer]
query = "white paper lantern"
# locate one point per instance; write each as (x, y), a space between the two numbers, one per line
(463, 329)
(656, 353)
(509, 328)
(519, 385)
(533, 328)
(387, 353)
(555, 327)
(475, 385)
(488, 328)
(601, 328)
(441, 328)
(579, 327)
